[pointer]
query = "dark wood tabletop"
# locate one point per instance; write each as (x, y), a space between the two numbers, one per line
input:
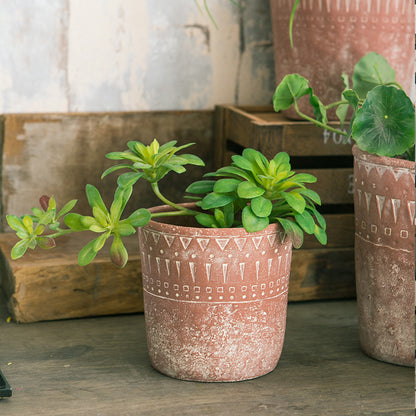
(99, 367)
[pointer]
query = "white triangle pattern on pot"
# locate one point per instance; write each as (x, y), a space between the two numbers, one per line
(411, 209)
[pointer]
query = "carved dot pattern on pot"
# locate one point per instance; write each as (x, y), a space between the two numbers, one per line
(385, 205)
(209, 269)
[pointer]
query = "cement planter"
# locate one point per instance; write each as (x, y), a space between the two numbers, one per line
(331, 36)
(384, 202)
(215, 300)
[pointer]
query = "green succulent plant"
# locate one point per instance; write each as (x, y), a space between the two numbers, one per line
(252, 193)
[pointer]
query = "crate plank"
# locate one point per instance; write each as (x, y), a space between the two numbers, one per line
(49, 284)
(323, 273)
(58, 154)
(271, 132)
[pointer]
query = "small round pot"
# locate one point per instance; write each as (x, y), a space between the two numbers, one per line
(384, 201)
(215, 300)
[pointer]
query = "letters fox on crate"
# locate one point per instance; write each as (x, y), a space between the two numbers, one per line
(215, 271)
(383, 129)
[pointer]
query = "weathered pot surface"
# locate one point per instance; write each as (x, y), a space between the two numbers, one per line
(384, 200)
(330, 37)
(215, 300)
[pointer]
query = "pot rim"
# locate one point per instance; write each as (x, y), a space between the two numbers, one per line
(382, 160)
(214, 232)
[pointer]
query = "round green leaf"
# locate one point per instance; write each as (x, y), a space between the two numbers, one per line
(291, 88)
(305, 220)
(261, 207)
(385, 124)
(372, 70)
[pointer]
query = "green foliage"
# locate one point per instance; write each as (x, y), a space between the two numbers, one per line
(383, 120)
(151, 163)
(253, 192)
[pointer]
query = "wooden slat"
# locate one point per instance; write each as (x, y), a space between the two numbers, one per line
(322, 274)
(271, 132)
(58, 154)
(49, 284)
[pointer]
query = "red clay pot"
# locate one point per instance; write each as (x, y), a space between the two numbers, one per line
(384, 201)
(331, 36)
(215, 300)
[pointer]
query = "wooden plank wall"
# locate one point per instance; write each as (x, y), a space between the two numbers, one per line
(58, 154)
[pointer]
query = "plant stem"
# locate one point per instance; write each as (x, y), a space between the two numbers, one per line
(318, 123)
(182, 210)
(336, 104)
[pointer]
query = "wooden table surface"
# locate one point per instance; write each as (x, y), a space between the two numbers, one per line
(99, 367)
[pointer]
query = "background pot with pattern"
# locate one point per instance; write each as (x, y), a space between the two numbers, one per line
(215, 289)
(383, 128)
(330, 36)
(384, 201)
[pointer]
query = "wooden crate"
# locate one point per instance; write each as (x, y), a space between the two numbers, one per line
(317, 272)
(49, 284)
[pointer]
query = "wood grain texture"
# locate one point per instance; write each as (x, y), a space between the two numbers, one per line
(271, 132)
(58, 154)
(49, 284)
(99, 366)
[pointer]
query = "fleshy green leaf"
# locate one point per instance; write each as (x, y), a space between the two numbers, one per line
(139, 218)
(87, 253)
(293, 231)
(67, 207)
(249, 190)
(214, 200)
(94, 198)
(75, 222)
(128, 179)
(228, 185)
(305, 220)
(118, 252)
(201, 187)
(19, 249)
(295, 201)
(16, 223)
(115, 168)
(206, 220)
(261, 207)
(320, 235)
(125, 229)
(45, 242)
(251, 222)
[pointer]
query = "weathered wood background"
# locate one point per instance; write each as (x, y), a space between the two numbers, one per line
(58, 154)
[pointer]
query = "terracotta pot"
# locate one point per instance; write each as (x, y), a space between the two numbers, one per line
(215, 300)
(384, 201)
(330, 37)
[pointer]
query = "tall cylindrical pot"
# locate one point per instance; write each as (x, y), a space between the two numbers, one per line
(331, 36)
(215, 300)
(384, 202)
